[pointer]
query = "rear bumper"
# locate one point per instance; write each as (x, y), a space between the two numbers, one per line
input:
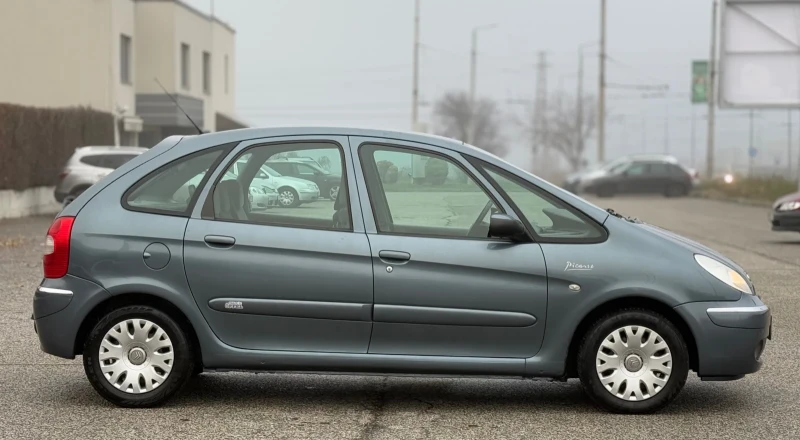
(785, 221)
(59, 308)
(731, 337)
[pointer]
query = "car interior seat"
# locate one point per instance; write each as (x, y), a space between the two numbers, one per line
(341, 216)
(229, 200)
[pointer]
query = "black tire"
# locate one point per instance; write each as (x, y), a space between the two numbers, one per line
(295, 197)
(69, 198)
(606, 191)
(675, 190)
(587, 359)
(183, 365)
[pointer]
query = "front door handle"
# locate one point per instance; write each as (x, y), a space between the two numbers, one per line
(395, 257)
(219, 240)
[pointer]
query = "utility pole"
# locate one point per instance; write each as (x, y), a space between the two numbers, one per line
(472, 79)
(789, 143)
(415, 75)
(579, 103)
(712, 84)
(601, 94)
(694, 132)
(666, 129)
(750, 156)
(541, 149)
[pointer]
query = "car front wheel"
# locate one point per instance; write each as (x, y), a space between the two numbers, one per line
(633, 361)
(137, 356)
(288, 198)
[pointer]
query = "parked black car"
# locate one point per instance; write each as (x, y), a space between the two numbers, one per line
(785, 215)
(665, 177)
(327, 182)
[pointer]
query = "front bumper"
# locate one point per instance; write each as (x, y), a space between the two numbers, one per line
(785, 221)
(309, 195)
(731, 336)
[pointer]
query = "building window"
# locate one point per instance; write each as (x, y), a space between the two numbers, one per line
(125, 59)
(226, 74)
(185, 66)
(206, 73)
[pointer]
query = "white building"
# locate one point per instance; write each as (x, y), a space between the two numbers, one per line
(106, 54)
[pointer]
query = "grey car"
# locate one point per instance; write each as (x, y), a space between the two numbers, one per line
(480, 269)
(87, 166)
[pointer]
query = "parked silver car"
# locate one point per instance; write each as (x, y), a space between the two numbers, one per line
(87, 166)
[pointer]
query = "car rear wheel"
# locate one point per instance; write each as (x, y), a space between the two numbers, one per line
(288, 197)
(606, 191)
(137, 356)
(633, 361)
(69, 198)
(675, 190)
(333, 193)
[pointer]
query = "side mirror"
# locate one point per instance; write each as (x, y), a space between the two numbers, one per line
(503, 226)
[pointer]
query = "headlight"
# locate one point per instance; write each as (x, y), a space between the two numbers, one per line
(312, 186)
(789, 206)
(268, 190)
(723, 273)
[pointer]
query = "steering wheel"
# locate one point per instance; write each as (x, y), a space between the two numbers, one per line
(475, 229)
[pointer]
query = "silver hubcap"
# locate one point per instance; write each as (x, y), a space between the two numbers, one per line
(136, 356)
(634, 363)
(334, 192)
(286, 198)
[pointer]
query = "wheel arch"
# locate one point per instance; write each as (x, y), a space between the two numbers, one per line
(629, 302)
(128, 299)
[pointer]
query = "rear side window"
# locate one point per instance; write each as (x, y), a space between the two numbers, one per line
(172, 188)
(112, 161)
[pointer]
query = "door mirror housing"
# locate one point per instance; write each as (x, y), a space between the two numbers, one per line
(505, 226)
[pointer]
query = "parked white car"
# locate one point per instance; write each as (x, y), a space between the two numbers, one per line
(292, 191)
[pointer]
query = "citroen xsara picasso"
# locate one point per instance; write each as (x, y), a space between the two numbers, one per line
(477, 269)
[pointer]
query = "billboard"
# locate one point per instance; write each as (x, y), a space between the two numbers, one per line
(699, 82)
(759, 59)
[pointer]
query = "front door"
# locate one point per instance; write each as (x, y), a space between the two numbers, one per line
(297, 279)
(441, 286)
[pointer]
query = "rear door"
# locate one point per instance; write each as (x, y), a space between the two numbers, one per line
(441, 286)
(285, 279)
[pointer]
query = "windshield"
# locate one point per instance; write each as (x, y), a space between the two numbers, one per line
(270, 171)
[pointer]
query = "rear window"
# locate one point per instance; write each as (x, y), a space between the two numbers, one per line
(112, 161)
(172, 188)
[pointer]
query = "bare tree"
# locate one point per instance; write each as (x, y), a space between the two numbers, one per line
(454, 116)
(563, 134)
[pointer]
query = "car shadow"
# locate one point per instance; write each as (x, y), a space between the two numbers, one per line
(785, 242)
(326, 392)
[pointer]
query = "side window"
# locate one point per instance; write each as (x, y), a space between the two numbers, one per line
(548, 217)
(419, 193)
(94, 160)
(171, 188)
(305, 170)
(253, 191)
(660, 169)
(117, 160)
(637, 169)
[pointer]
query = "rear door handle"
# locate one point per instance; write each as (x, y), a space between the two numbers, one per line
(395, 257)
(220, 240)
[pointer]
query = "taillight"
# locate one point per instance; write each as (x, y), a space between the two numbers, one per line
(56, 248)
(62, 175)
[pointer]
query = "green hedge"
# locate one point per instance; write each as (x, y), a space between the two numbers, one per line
(744, 188)
(35, 143)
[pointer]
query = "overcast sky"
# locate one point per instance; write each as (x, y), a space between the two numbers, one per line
(349, 62)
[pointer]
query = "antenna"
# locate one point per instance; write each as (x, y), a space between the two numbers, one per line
(179, 106)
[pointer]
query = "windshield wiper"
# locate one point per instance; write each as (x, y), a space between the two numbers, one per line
(618, 215)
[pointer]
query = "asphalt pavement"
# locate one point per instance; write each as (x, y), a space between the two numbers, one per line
(46, 397)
